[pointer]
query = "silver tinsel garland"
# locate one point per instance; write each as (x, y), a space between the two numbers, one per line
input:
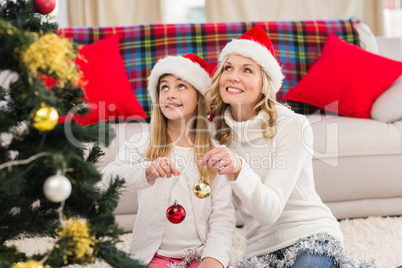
(319, 244)
(188, 257)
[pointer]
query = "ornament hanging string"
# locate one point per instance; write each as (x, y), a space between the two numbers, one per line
(61, 209)
(176, 213)
(42, 141)
(61, 220)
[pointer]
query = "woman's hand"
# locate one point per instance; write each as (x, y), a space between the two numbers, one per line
(223, 161)
(162, 167)
(210, 263)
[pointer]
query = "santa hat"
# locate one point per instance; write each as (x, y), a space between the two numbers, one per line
(189, 68)
(255, 44)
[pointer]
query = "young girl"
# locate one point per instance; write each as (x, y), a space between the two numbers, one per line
(173, 225)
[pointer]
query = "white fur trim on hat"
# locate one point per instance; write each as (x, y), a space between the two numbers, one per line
(259, 54)
(182, 68)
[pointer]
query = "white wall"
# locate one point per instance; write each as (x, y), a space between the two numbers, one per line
(61, 13)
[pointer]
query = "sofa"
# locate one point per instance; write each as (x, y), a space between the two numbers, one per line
(357, 161)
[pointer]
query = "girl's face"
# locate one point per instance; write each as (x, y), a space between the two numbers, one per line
(241, 82)
(177, 98)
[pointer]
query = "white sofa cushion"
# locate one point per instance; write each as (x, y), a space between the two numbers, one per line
(128, 203)
(356, 158)
(367, 38)
(388, 107)
(339, 136)
(123, 132)
(390, 47)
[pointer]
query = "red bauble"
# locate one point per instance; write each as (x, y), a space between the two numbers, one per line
(43, 6)
(175, 213)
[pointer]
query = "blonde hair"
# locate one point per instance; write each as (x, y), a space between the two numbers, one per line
(160, 144)
(267, 104)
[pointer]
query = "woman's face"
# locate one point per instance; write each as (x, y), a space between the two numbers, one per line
(177, 98)
(241, 82)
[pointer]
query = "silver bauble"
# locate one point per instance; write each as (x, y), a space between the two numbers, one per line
(57, 188)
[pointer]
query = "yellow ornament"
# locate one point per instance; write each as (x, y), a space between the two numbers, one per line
(53, 56)
(202, 189)
(29, 264)
(45, 118)
(83, 242)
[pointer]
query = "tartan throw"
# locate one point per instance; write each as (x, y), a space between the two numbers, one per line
(297, 46)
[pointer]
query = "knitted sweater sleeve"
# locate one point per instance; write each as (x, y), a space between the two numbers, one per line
(265, 197)
(221, 222)
(129, 164)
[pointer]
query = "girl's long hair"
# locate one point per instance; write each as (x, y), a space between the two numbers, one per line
(160, 144)
(267, 103)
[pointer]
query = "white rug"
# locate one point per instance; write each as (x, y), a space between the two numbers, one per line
(378, 238)
(372, 238)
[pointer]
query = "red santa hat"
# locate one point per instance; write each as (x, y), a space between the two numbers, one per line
(189, 68)
(255, 44)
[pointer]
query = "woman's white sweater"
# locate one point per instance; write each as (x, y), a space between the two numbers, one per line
(275, 189)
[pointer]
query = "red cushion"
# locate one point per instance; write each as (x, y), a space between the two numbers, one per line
(345, 79)
(105, 84)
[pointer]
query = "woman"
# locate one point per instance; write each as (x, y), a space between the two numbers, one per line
(266, 152)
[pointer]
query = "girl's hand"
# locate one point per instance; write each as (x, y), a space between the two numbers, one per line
(210, 263)
(223, 161)
(162, 167)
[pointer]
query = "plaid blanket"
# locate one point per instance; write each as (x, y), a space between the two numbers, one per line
(297, 46)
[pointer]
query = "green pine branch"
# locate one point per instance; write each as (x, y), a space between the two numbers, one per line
(31, 156)
(20, 14)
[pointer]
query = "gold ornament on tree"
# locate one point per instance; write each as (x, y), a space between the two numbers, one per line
(29, 264)
(53, 56)
(45, 118)
(81, 247)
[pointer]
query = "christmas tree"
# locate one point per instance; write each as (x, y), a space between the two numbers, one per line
(47, 183)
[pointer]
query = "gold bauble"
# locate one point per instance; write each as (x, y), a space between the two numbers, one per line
(45, 118)
(28, 264)
(202, 189)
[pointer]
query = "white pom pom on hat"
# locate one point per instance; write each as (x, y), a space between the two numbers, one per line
(189, 68)
(255, 44)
